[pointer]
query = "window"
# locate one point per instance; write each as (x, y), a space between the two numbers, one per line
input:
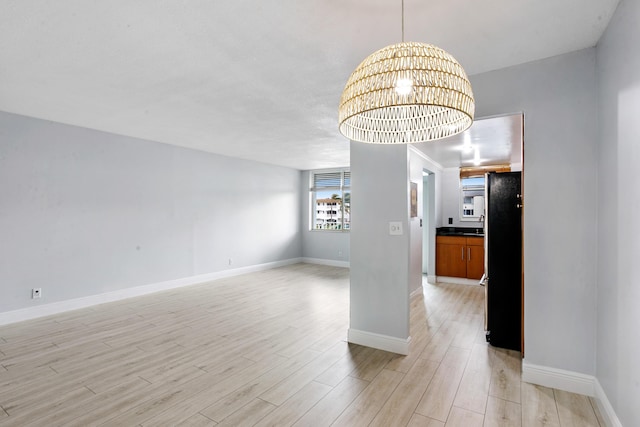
(472, 197)
(330, 195)
(472, 193)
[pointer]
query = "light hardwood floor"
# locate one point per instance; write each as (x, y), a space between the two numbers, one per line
(268, 349)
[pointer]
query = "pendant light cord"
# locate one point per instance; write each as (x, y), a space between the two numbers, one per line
(402, 21)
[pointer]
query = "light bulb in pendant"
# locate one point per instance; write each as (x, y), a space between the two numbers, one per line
(404, 86)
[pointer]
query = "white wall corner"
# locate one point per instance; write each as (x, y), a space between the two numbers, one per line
(606, 410)
(381, 342)
(58, 307)
(329, 262)
(573, 382)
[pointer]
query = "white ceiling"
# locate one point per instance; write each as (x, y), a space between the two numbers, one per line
(498, 141)
(256, 79)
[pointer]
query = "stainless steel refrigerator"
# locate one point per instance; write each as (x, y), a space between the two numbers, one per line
(503, 259)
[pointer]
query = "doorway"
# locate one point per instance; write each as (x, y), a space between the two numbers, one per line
(495, 140)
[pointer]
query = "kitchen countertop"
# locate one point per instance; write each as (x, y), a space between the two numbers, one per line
(459, 231)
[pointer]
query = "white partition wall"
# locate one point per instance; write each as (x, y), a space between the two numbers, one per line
(618, 316)
(379, 260)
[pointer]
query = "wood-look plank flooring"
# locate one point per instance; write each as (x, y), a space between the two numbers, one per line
(268, 349)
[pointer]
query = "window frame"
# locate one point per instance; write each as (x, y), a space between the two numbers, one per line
(338, 182)
(470, 191)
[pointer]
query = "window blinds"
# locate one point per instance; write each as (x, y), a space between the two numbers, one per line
(331, 180)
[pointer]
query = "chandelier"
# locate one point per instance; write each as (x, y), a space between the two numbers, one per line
(404, 93)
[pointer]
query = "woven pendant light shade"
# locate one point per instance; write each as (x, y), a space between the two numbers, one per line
(407, 92)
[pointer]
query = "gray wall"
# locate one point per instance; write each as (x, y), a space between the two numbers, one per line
(320, 245)
(415, 228)
(429, 199)
(436, 215)
(558, 98)
(379, 262)
(84, 212)
(618, 322)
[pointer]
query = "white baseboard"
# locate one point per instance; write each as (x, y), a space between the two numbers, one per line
(415, 292)
(330, 262)
(573, 382)
(381, 342)
(432, 279)
(606, 410)
(455, 280)
(91, 300)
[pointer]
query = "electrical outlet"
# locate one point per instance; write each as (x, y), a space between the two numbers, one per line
(36, 293)
(395, 228)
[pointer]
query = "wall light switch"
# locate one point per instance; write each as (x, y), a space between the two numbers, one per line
(395, 228)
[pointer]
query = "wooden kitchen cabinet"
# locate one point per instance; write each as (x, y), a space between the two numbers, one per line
(475, 257)
(450, 259)
(459, 256)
